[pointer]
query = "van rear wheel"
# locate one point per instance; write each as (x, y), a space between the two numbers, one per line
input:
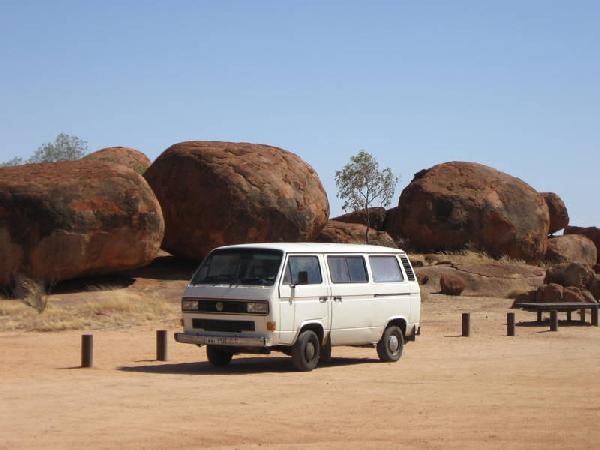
(217, 356)
(306, 351)
(389, 347)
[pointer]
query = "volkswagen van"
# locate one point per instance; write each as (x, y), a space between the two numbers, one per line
(301, 299)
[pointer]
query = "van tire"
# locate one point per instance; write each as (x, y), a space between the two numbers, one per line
(217, 356)
(306, 351)
(389, 347)
(325, 354)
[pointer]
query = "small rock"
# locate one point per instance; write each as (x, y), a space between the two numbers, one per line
(570, 274)
(451, 284)
(550, 293)
(572, 248)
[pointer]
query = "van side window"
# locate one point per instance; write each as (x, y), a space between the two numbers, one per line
(308, 264)
(347, 269)
(385, 269)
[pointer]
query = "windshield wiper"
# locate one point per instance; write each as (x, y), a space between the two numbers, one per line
(255, 280)
(218, 278)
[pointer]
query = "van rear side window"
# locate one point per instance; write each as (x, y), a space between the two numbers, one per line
(385, 269)
(347, 269)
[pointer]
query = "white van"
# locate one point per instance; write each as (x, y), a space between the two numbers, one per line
(301, 299)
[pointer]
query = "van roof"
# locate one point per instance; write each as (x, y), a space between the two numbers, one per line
(317, 247)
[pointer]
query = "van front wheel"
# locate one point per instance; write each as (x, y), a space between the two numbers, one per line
(389, 347)
(306, 350)
(217, 356)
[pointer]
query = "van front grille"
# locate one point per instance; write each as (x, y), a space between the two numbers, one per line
(228, 326)
(226, 306)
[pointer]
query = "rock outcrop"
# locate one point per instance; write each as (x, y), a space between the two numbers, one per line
(220, 193)
(376, 218)
(592, 233)
(484, 280)
(353, 233)
(70, 219)
(559, 216)
(457, 205)
(572, 248)
(129, 157)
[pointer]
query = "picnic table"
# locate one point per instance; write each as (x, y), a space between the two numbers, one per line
(540, 308)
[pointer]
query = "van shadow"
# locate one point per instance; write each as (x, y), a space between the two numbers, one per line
(239, 366)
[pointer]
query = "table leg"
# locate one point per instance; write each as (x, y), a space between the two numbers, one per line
(539, 316)
(568, 316)
(582, 315)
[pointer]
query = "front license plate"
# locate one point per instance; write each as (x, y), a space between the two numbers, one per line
(221, 340)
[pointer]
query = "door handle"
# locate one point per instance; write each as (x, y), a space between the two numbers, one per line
(322, 299)
(337, 298)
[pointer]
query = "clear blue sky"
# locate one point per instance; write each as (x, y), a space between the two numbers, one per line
(512, 84)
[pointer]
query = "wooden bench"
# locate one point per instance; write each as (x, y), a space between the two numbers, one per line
(540, 308)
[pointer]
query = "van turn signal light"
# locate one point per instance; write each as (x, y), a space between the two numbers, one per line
(271, 326)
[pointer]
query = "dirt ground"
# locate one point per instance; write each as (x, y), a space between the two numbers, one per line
(537, 390)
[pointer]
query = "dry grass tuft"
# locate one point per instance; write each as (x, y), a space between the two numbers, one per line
(106, 310)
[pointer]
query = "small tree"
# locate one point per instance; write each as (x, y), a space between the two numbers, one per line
(361, 185)
(64, 148)
(16, 161)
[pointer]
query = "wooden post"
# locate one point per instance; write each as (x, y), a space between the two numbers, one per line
(539, 316)
(510, 324)
(87, 350)
(466, 324)
(568, 316)
(594, 317)
(161, 345)
(553, 321)
(582, 315)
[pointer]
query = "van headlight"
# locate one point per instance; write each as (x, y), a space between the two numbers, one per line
(257, 307)
(189, 305)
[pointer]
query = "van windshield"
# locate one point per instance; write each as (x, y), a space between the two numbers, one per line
(239, 266)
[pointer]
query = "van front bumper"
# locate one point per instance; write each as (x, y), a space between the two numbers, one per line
(234, 340)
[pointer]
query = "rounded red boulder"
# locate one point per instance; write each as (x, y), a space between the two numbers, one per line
(459, 205)
(69, 219)
(129, 157)
(220, 193)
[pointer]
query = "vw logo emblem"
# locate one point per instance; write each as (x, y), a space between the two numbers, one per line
(219, 306)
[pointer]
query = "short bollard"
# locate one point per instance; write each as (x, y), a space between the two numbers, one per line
(594, 317)
(161, 345)
(510, 324)
(466, 324)
(553, 321)
(87, 350)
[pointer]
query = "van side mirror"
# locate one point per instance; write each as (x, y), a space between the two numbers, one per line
(302, 278)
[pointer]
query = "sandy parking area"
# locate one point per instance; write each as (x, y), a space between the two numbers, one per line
(539, 389)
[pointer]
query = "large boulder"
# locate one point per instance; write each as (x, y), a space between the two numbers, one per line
(592, 233)
(353, 233)
(559, 216)
(130, 157)
(570, 274)
(376, 217)
(457, 205)
(572, 248)
(70, 219)
(219, 193)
